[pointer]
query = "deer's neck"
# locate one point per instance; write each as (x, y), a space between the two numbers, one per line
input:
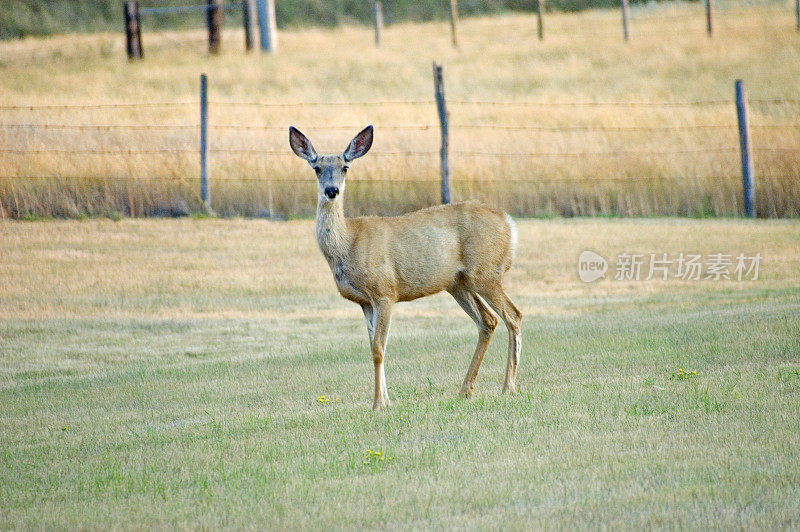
(332, 234)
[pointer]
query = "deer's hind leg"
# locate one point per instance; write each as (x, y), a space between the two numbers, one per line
(486, 323)
(369, 317)
(502, 304)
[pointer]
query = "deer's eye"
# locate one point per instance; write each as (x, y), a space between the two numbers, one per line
(317, 169)
(345, 168)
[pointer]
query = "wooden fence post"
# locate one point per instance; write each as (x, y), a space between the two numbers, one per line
(248, 12)
(746, 151)
(267, 27)
(214, 13)
(710, 17)
(625, 29)
(539, 15)
(441, 106)
(454, 22)
(133, 32)
(204, 196)
(378, 22)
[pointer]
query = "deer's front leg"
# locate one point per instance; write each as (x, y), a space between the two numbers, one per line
(382, 316)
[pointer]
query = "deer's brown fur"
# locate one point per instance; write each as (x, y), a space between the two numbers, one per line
(463, 248)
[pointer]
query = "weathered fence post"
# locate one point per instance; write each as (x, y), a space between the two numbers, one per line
(746, 151)
(248, 12)
(441, 106)
(204, 197)
(454, 22)
(539, 15)
(267, 27)
(710, 17)
(378, 22)
(797, 14)
(625, 29)
(133, 32)
(214, 13)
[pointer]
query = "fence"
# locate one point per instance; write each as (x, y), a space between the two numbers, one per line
(535, 158)
(263, 10)
(640, 17)
(649, 21)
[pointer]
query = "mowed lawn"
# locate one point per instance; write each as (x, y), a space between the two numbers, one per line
(204, 373)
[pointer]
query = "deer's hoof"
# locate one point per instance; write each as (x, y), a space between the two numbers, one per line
(380, 405)
(510, 389)
(465, 393)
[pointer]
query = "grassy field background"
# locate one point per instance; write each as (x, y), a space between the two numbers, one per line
(171, 373)
(624, 159)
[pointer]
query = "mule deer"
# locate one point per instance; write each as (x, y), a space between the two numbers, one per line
(464, 248)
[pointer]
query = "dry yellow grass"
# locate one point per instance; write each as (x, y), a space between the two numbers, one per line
(655, 170)
(256, 268)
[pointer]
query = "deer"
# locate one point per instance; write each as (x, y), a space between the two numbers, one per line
(463, 248)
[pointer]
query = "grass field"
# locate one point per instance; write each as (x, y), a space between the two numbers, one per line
(584, 160)
(171, 373)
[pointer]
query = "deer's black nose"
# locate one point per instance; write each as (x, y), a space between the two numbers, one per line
(331, 192)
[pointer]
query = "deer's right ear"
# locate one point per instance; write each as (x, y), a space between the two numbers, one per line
(301, 145)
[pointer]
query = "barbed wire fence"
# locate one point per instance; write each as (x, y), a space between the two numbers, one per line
(59, 160)
(636, 22)
(640, 21)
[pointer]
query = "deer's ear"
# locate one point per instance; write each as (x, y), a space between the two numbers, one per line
(360, 145)
(301, 145)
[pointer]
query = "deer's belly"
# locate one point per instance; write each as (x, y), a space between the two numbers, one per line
(420, 278)
(347, 290)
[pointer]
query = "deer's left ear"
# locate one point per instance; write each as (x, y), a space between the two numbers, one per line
(360, 145)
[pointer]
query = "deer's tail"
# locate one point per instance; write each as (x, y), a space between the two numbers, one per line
(513, 235)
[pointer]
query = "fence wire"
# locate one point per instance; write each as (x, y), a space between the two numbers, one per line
(69, 145)
(533, 180)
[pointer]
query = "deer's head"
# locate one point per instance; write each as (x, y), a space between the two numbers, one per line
(330, 169)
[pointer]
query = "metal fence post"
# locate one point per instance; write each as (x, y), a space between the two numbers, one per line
(625, 29)
(378, 22)
(267, 28)
(797, 14)
(441, 106)
(204, 197)
(746, 152)
(539, 21)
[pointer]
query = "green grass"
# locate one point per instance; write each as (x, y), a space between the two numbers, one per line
(215, 423)
(150, 378)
